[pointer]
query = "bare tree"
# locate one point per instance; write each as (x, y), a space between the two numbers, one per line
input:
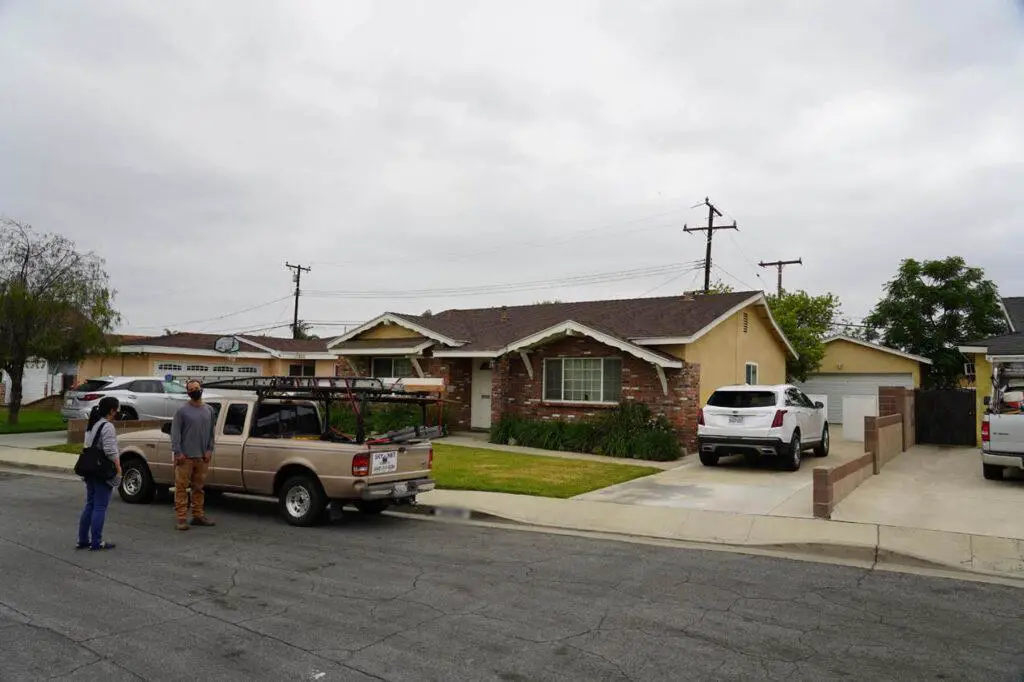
(55, 303)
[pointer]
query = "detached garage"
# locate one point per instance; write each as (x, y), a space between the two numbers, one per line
(852, 367)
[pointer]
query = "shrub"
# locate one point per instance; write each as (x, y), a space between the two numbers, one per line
(381, 418)
(631, 430)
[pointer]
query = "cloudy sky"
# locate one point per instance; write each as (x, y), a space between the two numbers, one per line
(427, 152)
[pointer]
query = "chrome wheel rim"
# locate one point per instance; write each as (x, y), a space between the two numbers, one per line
(796, 449)
(824, 440)
(132, 481)
(298, 502)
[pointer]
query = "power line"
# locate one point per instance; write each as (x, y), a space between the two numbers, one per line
(734, 277)
(671, 279)
(781, 264)
(214, 319)
(710, 229)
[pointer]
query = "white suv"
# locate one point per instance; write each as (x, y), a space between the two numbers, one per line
(776, 421)
(140, 397)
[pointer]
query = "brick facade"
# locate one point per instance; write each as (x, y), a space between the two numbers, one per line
(458, 376)
(515, 393)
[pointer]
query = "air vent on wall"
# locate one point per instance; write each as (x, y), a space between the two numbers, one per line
(746, 322)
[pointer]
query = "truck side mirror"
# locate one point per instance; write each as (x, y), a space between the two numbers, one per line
(987, 400)
(166, 428)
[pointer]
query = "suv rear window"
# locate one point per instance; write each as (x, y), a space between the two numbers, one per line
(741, 399)
(92, 385)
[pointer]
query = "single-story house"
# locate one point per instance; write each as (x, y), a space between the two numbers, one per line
(573, 360)
(851, 367)
(983, 354)
(207, 356)
(40, 379)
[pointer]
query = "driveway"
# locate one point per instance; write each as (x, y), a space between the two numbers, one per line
(732, 486)
(938, 488)
(33, 440)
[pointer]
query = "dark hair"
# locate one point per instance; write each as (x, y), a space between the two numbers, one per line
(104, 408)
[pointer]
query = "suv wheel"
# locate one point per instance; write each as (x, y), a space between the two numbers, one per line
(708, 459)
(127, 414)
(992, 472)
(137, 486)
(821, 449)
(794, 453)
(302, 500)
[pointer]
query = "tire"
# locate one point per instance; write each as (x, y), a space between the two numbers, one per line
(127, 414)
(708, 459)
(992, 472)
(793, 454)
(372, 506)
(137, 486)
(302, 500)
(821, 449)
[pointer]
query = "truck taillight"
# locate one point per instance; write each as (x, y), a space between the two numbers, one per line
(986, 435)
(700, 417)
(361, 464)
(430, 458)
(777, 422)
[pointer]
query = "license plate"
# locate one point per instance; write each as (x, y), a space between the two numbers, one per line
(735, 420)
(384, 463)
(401, 488)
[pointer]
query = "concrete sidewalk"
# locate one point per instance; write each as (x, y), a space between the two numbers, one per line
(33, 440)
(38, 459)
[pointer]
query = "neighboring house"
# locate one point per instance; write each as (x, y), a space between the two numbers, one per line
(982, 354)
(205, 356)
(40, 380)
(573, 360)
(851, 367)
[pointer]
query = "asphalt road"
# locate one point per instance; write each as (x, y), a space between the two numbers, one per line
(402, 599)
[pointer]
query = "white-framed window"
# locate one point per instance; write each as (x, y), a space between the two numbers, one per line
(583, 380)
(223, 369)
(169, 367)
(247, 369)
(751, 373)
(197, 368)
(392, 368)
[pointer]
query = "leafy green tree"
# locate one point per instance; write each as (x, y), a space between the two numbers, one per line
(932, 307)
(720, 287)
(55, 303)
(805, 320)
(304, 333)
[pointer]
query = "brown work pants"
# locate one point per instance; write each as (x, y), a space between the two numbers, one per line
(189, 474)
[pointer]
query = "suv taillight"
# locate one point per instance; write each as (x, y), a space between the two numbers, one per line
(986, 434)
(91, 396)
(777, 422)
(700, 417)
(361, 464)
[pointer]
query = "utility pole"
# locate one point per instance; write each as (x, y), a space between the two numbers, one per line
(299, 269)
(710, 229)
(781, 264)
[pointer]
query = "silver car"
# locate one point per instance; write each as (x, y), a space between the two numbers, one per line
(140, 397)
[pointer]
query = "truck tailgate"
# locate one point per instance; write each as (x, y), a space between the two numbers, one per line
(1006, 433)
(398, 461)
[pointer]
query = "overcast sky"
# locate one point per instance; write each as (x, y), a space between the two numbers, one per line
(436, 145)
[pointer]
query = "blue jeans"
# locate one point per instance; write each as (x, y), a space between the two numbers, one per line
(97, 497)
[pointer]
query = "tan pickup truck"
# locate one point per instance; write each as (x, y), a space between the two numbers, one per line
(280, 448)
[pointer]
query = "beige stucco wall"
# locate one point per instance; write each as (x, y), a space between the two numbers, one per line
(843, 357)
(724, 352)
(388, 331)
(145, 365)
(983, 387)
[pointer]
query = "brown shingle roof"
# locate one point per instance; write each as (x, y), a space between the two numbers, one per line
(669, 316)
(1015, 311)
(196, 341)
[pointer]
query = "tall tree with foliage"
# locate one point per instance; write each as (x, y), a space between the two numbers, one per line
(932, 307)
(55, 303)
(806, 321)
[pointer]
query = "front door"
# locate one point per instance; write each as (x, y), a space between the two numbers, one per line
(480, 407)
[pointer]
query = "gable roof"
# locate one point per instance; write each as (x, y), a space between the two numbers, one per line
(643, 321)
(878, 347)
(1013, 307)
(1006, 344)
(206, 342)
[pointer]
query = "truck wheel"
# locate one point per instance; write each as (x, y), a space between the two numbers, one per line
(137, 486)
(372, 506)
(792, 455)
(821, 449)
(708, 459)
(302, 500)
(992, 472)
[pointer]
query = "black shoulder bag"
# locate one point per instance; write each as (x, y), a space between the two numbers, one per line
(93, 463)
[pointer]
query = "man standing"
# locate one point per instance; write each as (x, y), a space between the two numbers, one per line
(192, 445)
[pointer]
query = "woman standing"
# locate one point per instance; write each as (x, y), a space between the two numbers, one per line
(98, 492)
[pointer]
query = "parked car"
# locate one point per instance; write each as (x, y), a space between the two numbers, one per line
(1002, 425)
(761, 421)
(279, 448)
(140, 397)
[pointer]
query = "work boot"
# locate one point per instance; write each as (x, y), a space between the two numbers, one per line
(182, 525)
(202, 521)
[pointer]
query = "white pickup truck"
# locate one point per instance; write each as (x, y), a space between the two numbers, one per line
(1002, 426)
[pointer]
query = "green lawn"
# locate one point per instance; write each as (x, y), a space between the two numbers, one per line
(70, 448)
(33, 421)
(460, 468)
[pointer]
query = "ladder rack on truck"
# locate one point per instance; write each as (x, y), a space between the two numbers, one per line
(358, 392)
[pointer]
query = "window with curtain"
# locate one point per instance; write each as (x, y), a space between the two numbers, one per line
(583, 380)
(392, 368)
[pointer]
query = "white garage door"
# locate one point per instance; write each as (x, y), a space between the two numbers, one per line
(835, 386)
